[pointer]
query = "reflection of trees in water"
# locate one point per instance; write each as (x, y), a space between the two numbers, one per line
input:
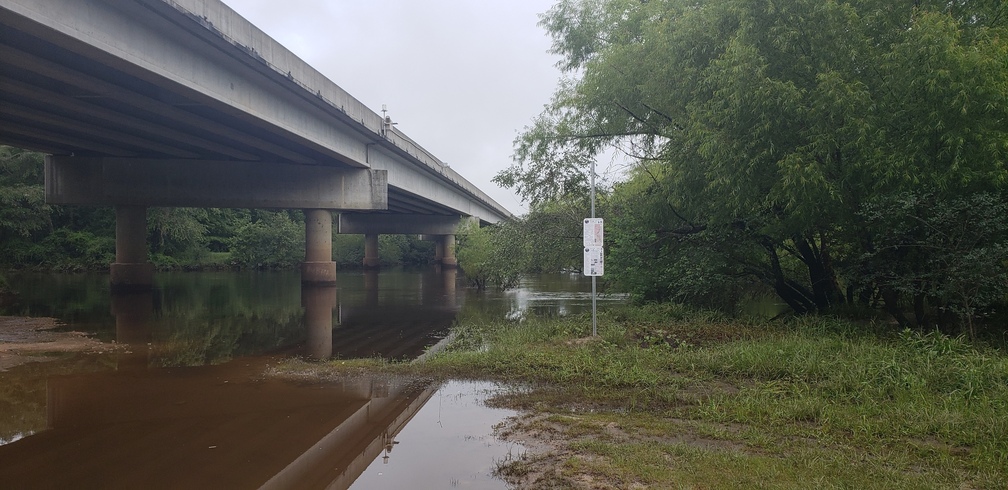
(80, 298)
(211, 317)
(200, 340)
(224, 315)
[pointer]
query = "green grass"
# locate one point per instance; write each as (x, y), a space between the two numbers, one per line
(667, 397)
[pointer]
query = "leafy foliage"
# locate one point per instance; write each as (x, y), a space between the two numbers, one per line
(763, 132)
(490, 256)
(272, 239)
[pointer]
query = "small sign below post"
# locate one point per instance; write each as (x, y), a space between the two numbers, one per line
(594, 262)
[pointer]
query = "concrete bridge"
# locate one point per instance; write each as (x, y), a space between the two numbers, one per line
(161, 103)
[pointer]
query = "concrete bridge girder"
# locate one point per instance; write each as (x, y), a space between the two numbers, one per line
(199, 183)
(132, 185)
(398, 224)
(442, 228)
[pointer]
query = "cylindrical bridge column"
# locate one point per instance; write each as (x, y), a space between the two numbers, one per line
(131, 269)
(371, 258)
(438, 249)
(318, 267)
(318, 302)
(448, 249)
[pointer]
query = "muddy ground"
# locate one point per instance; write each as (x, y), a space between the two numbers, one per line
(24, 340)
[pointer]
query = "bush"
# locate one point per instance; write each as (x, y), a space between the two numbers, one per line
(271, 240)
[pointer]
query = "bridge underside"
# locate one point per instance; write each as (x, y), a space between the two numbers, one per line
(145, 103)
(148, 79)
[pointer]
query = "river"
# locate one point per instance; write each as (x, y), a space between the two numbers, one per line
(183, 402)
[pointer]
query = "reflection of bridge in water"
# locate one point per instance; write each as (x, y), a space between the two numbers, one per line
(228, 425)
(210, 427)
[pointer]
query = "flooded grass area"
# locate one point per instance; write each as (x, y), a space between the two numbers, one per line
(670, 397)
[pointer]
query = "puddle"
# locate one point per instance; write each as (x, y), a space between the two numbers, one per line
(448, 444)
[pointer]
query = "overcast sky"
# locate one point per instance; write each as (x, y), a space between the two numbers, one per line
(459, 77)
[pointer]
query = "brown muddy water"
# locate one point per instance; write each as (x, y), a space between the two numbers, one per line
(185, 402)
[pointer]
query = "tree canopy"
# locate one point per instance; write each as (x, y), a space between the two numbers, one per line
(771, 136)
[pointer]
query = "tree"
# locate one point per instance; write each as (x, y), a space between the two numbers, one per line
(272, 239)
(762, 128)
(23, 210)
(490, 256)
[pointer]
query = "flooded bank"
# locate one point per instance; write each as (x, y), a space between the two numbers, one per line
(185, 402)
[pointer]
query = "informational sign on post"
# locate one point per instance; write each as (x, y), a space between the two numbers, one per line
(594, 257)
(594, 264)
(593, 232)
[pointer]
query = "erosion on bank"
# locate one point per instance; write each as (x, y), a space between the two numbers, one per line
(668, 397)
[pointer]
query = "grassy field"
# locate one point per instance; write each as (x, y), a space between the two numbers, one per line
(667, 397)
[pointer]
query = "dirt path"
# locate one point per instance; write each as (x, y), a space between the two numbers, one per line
(24, 340)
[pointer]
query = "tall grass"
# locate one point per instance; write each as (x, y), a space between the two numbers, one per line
(812, 396)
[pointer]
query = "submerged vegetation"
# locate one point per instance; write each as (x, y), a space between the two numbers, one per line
(668, 396)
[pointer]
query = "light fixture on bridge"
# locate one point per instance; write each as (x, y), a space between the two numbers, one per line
(386, 121)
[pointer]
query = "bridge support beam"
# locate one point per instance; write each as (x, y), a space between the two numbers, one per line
(211, 184)
(131, 271)
(438, 249)
(448, 250)
(371, 258)
(318, 267)
(444, 249)
(439, 228)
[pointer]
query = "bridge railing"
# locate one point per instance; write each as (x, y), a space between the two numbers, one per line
(223, 22)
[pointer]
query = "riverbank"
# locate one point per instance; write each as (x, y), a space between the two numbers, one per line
(667, 397)
(24, 340)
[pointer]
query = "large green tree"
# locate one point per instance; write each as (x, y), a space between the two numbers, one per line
(764, 129)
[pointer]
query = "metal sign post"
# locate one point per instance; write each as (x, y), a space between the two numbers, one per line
(594, 256)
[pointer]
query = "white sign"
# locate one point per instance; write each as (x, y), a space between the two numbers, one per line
(593, 232)
(594, 262)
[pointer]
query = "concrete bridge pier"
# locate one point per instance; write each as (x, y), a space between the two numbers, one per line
(438, 248)
(133, 312)
(318, 267)
(318, 302)
(440, 229)
(444, 250)
(371, 257)
(447, 247)
(132, 270)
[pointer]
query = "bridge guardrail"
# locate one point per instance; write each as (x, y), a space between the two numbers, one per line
(358, 114)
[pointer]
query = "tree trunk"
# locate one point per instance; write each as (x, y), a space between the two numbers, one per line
(793, 294)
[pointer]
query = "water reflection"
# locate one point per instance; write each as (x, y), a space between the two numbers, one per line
(318, 303)
(219, 426)
(542, 294)
(396, 316)
(192, 319)
(187, 405)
